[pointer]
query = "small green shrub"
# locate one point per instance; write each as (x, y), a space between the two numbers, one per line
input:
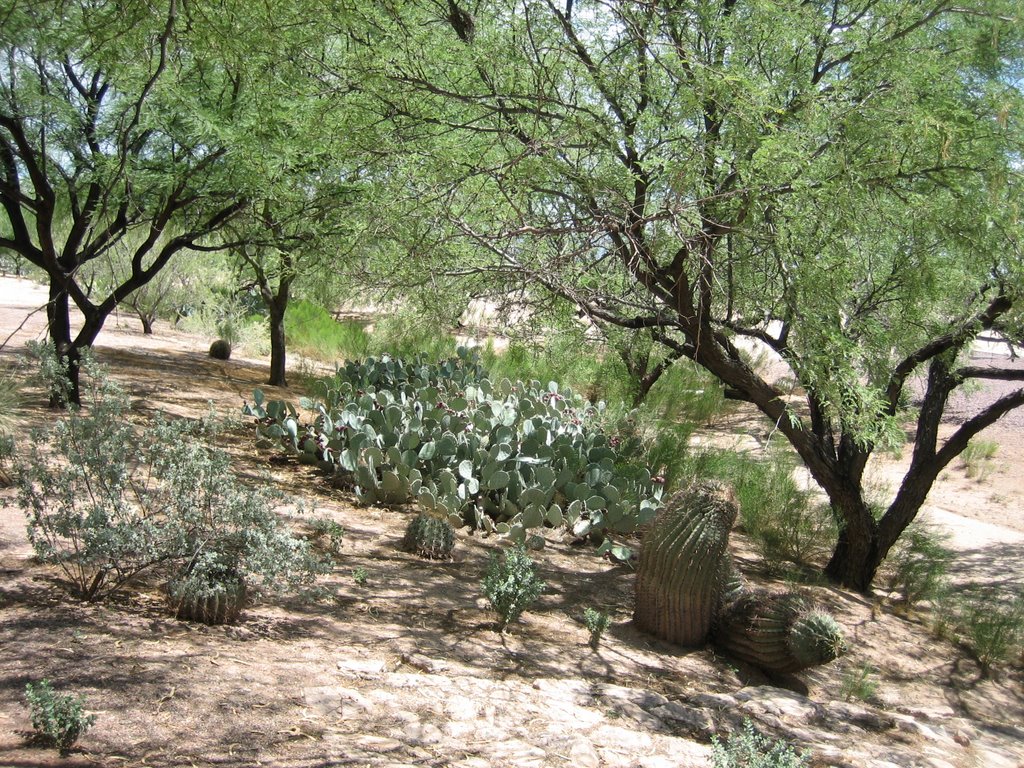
(107, 503)
(977, 457)
(360, 576)
(59, 719)
(328, 534)
(511, 584)
(918, 566)
(312, 331)
(596, 622)
(859, 683)
(750, 749)
(989, 624)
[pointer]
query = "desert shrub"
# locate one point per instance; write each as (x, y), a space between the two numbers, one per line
(977, 457)
(59, 719)
(859, 683)
(328, 534)
(989, 623)
(918, 566)
(511, 584)
(312, 331)
(596, 622)
(750, 749)
(107, 502)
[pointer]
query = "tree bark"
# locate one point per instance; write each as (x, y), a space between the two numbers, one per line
(278, 368)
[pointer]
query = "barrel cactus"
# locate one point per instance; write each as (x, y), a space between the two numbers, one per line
(208, 604)
(220, 349)
(684, 564)
(430, 537)
(778, 632)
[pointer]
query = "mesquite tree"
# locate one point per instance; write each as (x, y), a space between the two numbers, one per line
(127, 125)
(833, 179)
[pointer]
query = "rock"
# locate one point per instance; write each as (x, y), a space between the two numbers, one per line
(693, 720)
(378, 744)
(583, 755)
(329, 699)
(962, 737)
(779, 702)
(361, 667)
(644, 699)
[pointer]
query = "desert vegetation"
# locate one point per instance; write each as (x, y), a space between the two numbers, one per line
(617, 351)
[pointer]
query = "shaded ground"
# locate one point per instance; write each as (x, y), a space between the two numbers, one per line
(408, 668)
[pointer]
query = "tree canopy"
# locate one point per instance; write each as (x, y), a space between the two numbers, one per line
(836, 180)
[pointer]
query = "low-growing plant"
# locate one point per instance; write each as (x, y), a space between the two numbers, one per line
(750, 749)
(991, 625)
(328, 534)
(596, 622)
(918, 566)
(59, 719)
(977, 457)
(107, 502)
(859, 683)
(360, 576)
(511, 584)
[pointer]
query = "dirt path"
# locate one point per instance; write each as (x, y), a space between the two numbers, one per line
(408, 668)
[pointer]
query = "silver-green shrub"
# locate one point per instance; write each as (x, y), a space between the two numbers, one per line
(511, 584)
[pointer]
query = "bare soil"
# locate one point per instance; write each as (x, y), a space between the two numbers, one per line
(408, 668)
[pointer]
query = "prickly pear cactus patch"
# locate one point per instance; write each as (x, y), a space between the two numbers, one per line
(502, 457)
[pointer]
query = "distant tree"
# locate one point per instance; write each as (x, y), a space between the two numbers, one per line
(834, 180)
(124, 126)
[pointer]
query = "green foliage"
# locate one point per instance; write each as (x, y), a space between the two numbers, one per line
(311, 330)
(511, 584)
(360, 576)
(750, 749)
(778, 515)
(107, 502)
(430, 537)
(596, 622)
(504, 457)
(918, 566)
(859, 683)
(328, 534)
(977, 457)
(990, 624)
(59, 719)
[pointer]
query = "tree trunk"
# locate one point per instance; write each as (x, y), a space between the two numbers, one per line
(857, 554)
(58, 316)
(147, 323)
(277, 346)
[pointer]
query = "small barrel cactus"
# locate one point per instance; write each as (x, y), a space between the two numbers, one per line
(430, 537)
(778, 632)
(684, 564)
(220, 349)
(222, 605)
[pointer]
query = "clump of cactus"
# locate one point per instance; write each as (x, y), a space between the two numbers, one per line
(430, 537)
(209, 603)
(685, 565)
(689, 591)
(778, 632)
(220, 349)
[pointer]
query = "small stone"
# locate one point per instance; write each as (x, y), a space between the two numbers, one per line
(361, 667)
(379, 744)
(961, 737)
(692, 719)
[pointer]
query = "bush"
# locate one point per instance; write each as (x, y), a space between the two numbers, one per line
(312, 331)
(918, 566)
(59, 719)
(749, 749)
(859, 684)
(511, 584)
(106, 503)
(596, 622)
(991, 625)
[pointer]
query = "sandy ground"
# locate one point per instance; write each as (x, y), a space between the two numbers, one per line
(408, 668)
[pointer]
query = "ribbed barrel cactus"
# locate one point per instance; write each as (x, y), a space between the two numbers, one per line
(430, 537)
(778, 632)
(684, 564)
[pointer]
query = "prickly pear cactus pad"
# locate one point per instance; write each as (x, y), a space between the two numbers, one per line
(684, 564)
(429, 537)
(778, 632)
